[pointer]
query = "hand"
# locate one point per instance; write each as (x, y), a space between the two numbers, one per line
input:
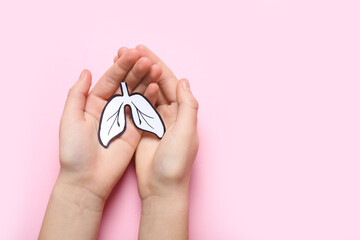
(162, 164)
(84, 162)
(163, 167)
(89, 171)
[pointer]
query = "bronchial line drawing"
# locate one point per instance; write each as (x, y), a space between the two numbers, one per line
(143, 114)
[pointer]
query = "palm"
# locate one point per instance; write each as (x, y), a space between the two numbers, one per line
(103, 166)
(152, 156)
(150, 153)
(162, 162)
(82, 157)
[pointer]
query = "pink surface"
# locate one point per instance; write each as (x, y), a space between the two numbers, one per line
(278, 85)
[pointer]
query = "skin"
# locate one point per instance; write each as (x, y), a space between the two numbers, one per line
(89, 171)
(163, 167)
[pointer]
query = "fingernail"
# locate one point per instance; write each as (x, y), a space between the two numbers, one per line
(82, 75)
(185, 85)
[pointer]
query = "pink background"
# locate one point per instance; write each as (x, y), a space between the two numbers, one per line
(278, 85)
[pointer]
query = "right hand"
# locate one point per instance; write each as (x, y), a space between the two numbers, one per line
(163, 167)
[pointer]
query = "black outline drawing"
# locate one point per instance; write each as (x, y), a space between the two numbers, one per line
(132, 117)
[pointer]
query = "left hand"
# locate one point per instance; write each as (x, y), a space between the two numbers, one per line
(84, 162)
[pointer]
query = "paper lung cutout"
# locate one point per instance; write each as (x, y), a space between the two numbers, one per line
(143, 114)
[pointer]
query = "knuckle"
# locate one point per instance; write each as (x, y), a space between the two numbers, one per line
(143, 65)
(133, 54)
(193, 103)
(71, 91)
(140, 47)
(110, 79)
(121, 51)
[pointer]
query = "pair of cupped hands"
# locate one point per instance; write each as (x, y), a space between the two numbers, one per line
(163, 166)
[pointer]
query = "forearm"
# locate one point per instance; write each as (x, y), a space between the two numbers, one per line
(165, 218)
(72, 213)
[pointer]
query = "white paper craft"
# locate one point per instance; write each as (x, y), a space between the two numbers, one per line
(143, 114)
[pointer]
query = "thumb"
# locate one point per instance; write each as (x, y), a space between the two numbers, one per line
(188, 108)
(76, 99)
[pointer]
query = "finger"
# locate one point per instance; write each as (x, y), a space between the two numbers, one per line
(151, 93)
(120, 52)
(111, 79)
(75, 102)
(116, 58)
(141, 68)
(167, 81)
(151, 77)
(188, 108)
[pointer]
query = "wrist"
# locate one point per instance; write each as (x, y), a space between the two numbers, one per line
(165, 187)
(174, 204)
(77, 196)
(72, 213)
(164, 217)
